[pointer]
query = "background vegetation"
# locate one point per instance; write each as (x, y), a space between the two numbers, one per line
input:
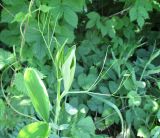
(117, 41)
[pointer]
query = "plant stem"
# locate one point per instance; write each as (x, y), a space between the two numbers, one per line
(58, 103)
(23, 31)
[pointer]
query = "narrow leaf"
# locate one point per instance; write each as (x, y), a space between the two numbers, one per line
(68, 69)
(113, 106)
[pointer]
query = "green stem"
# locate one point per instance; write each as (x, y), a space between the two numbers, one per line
(58, 108)
(23, 31)
(58, 102)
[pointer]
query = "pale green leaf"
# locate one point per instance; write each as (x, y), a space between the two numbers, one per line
(45, 8)
(19, 17)
(129, 84)
(143, 132)
(37, 92)
(70, 109)
(153, 71)
(68, 69)
(35, 130)
(134, 98)
(155, 132)
(140, 84)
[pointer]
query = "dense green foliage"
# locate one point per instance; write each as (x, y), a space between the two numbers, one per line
(111, 77)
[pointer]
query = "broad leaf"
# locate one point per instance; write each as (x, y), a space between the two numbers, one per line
(134, 98)
(87, 125)
(35, 130)
(143, 132)
(5, 58)
(37, 92)
(19, 83)
(71, 17)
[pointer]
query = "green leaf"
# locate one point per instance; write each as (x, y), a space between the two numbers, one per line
(19, 83)
(71, 17)
(133, 14)
(129, 116)
(75, 5)
(140, 11)
(37, 92)
(155, 132)
(84, 48)
(109, 116)
(35, 130)
(134, 98)
(8, 2)
(39, 49)
(87, 125)
(113, 86)
(140, 21)
(5, 58)
(107, 102)
(19, 17)
(63, 127)
(85, 81)
(95, 105)
(139, 116)
(151, 105)
(110, 28)
(140, 84)
(129, 84)
(2, 108)
(68, 68)
(94, 18)
(158, 115)
(14, 7)
(10, 37)
(152, 71)
(143, 132)
(81, 134)
(70, 109)
(45, 8)
(64, 32)
(60, 127)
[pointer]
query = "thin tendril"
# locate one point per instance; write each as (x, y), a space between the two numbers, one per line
(6, 98)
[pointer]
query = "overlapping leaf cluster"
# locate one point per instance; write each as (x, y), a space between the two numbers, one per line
(127, 30)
